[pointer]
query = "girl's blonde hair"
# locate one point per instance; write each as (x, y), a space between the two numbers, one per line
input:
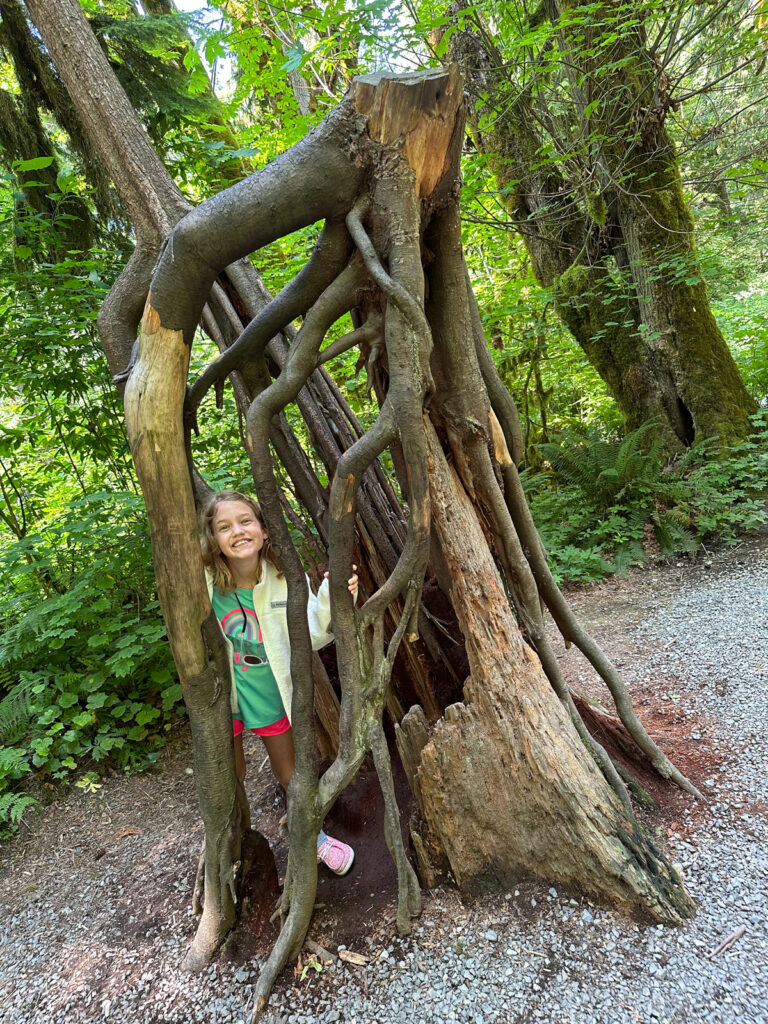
(212, 556)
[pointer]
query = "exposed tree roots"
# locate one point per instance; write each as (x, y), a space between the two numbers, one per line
(381, 171)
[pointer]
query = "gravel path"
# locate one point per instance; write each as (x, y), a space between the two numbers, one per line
(533, 954)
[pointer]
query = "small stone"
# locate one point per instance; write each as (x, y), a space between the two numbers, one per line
(491, 935)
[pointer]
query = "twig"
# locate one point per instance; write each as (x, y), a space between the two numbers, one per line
(325, 955)
(728, 941)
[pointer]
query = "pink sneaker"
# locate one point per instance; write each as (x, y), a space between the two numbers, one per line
(335, 855)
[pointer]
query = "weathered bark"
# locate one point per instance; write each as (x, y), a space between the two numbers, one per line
(505, 783)
(621, 260)
(153, 400)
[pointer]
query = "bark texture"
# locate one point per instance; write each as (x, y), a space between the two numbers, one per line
(505, 784)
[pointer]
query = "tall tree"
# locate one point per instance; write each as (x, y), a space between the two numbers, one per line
(575, 132)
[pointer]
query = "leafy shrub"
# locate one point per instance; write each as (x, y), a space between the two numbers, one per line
(604, 494)
(725, 497)
(91, 676)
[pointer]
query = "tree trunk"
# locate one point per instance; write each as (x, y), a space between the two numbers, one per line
(408, 152)
(505, 784)
(621, 260)
(629, 92)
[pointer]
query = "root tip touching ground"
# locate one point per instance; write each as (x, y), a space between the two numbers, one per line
(196, 959)
(258, 1009)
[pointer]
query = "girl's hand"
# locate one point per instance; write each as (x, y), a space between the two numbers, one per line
(352, 582)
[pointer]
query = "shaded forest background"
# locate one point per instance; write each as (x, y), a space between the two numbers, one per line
(86, 678)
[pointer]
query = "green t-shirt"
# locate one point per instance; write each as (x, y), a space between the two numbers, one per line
(257, 692)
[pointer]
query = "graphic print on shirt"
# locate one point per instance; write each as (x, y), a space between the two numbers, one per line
(245, 638)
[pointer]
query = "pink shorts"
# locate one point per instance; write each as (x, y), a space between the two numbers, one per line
(276, 729)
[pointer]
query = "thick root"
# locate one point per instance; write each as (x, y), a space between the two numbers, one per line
(408, 889)
(208, 938)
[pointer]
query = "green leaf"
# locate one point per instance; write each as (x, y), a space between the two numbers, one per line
(294, 57)
(147, 714)
(35, 164)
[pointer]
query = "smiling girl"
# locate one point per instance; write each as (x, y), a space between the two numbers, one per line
(249, 597)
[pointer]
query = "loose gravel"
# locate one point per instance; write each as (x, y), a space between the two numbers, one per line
(532, 954)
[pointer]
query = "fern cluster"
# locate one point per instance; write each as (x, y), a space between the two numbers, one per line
(604, 497)
(86, 677)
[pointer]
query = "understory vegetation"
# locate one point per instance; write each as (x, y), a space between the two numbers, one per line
(87, 682)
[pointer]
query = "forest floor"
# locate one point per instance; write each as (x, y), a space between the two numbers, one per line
(95, 890)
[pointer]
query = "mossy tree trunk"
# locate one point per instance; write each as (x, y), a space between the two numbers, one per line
(630, 99)
(619, 255)
(24, 137)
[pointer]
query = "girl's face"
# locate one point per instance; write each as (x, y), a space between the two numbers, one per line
(238, 533)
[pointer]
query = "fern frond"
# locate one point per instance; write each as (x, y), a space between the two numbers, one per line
(13, 763)
(13, 805)
(626, 554)
(671, 535)
(15, 710)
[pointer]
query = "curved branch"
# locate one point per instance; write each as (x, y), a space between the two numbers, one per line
(393, 290)
(251, 214)
(120, 314)
(502, 403)
(326, 262)
(368, 334)
(570, 627)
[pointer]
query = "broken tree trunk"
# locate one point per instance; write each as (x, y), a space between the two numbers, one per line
(376, 170)
(505, 784)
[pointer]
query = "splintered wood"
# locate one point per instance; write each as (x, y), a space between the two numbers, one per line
(421, 108)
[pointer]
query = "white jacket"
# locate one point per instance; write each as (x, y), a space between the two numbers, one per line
(270, 600)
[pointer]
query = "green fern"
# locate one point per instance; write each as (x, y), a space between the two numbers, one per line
(13, 764)
(672, 533)
(12, 806)
(607, 469)
(15, 710)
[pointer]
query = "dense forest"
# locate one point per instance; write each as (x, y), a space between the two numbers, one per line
(612, 177)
